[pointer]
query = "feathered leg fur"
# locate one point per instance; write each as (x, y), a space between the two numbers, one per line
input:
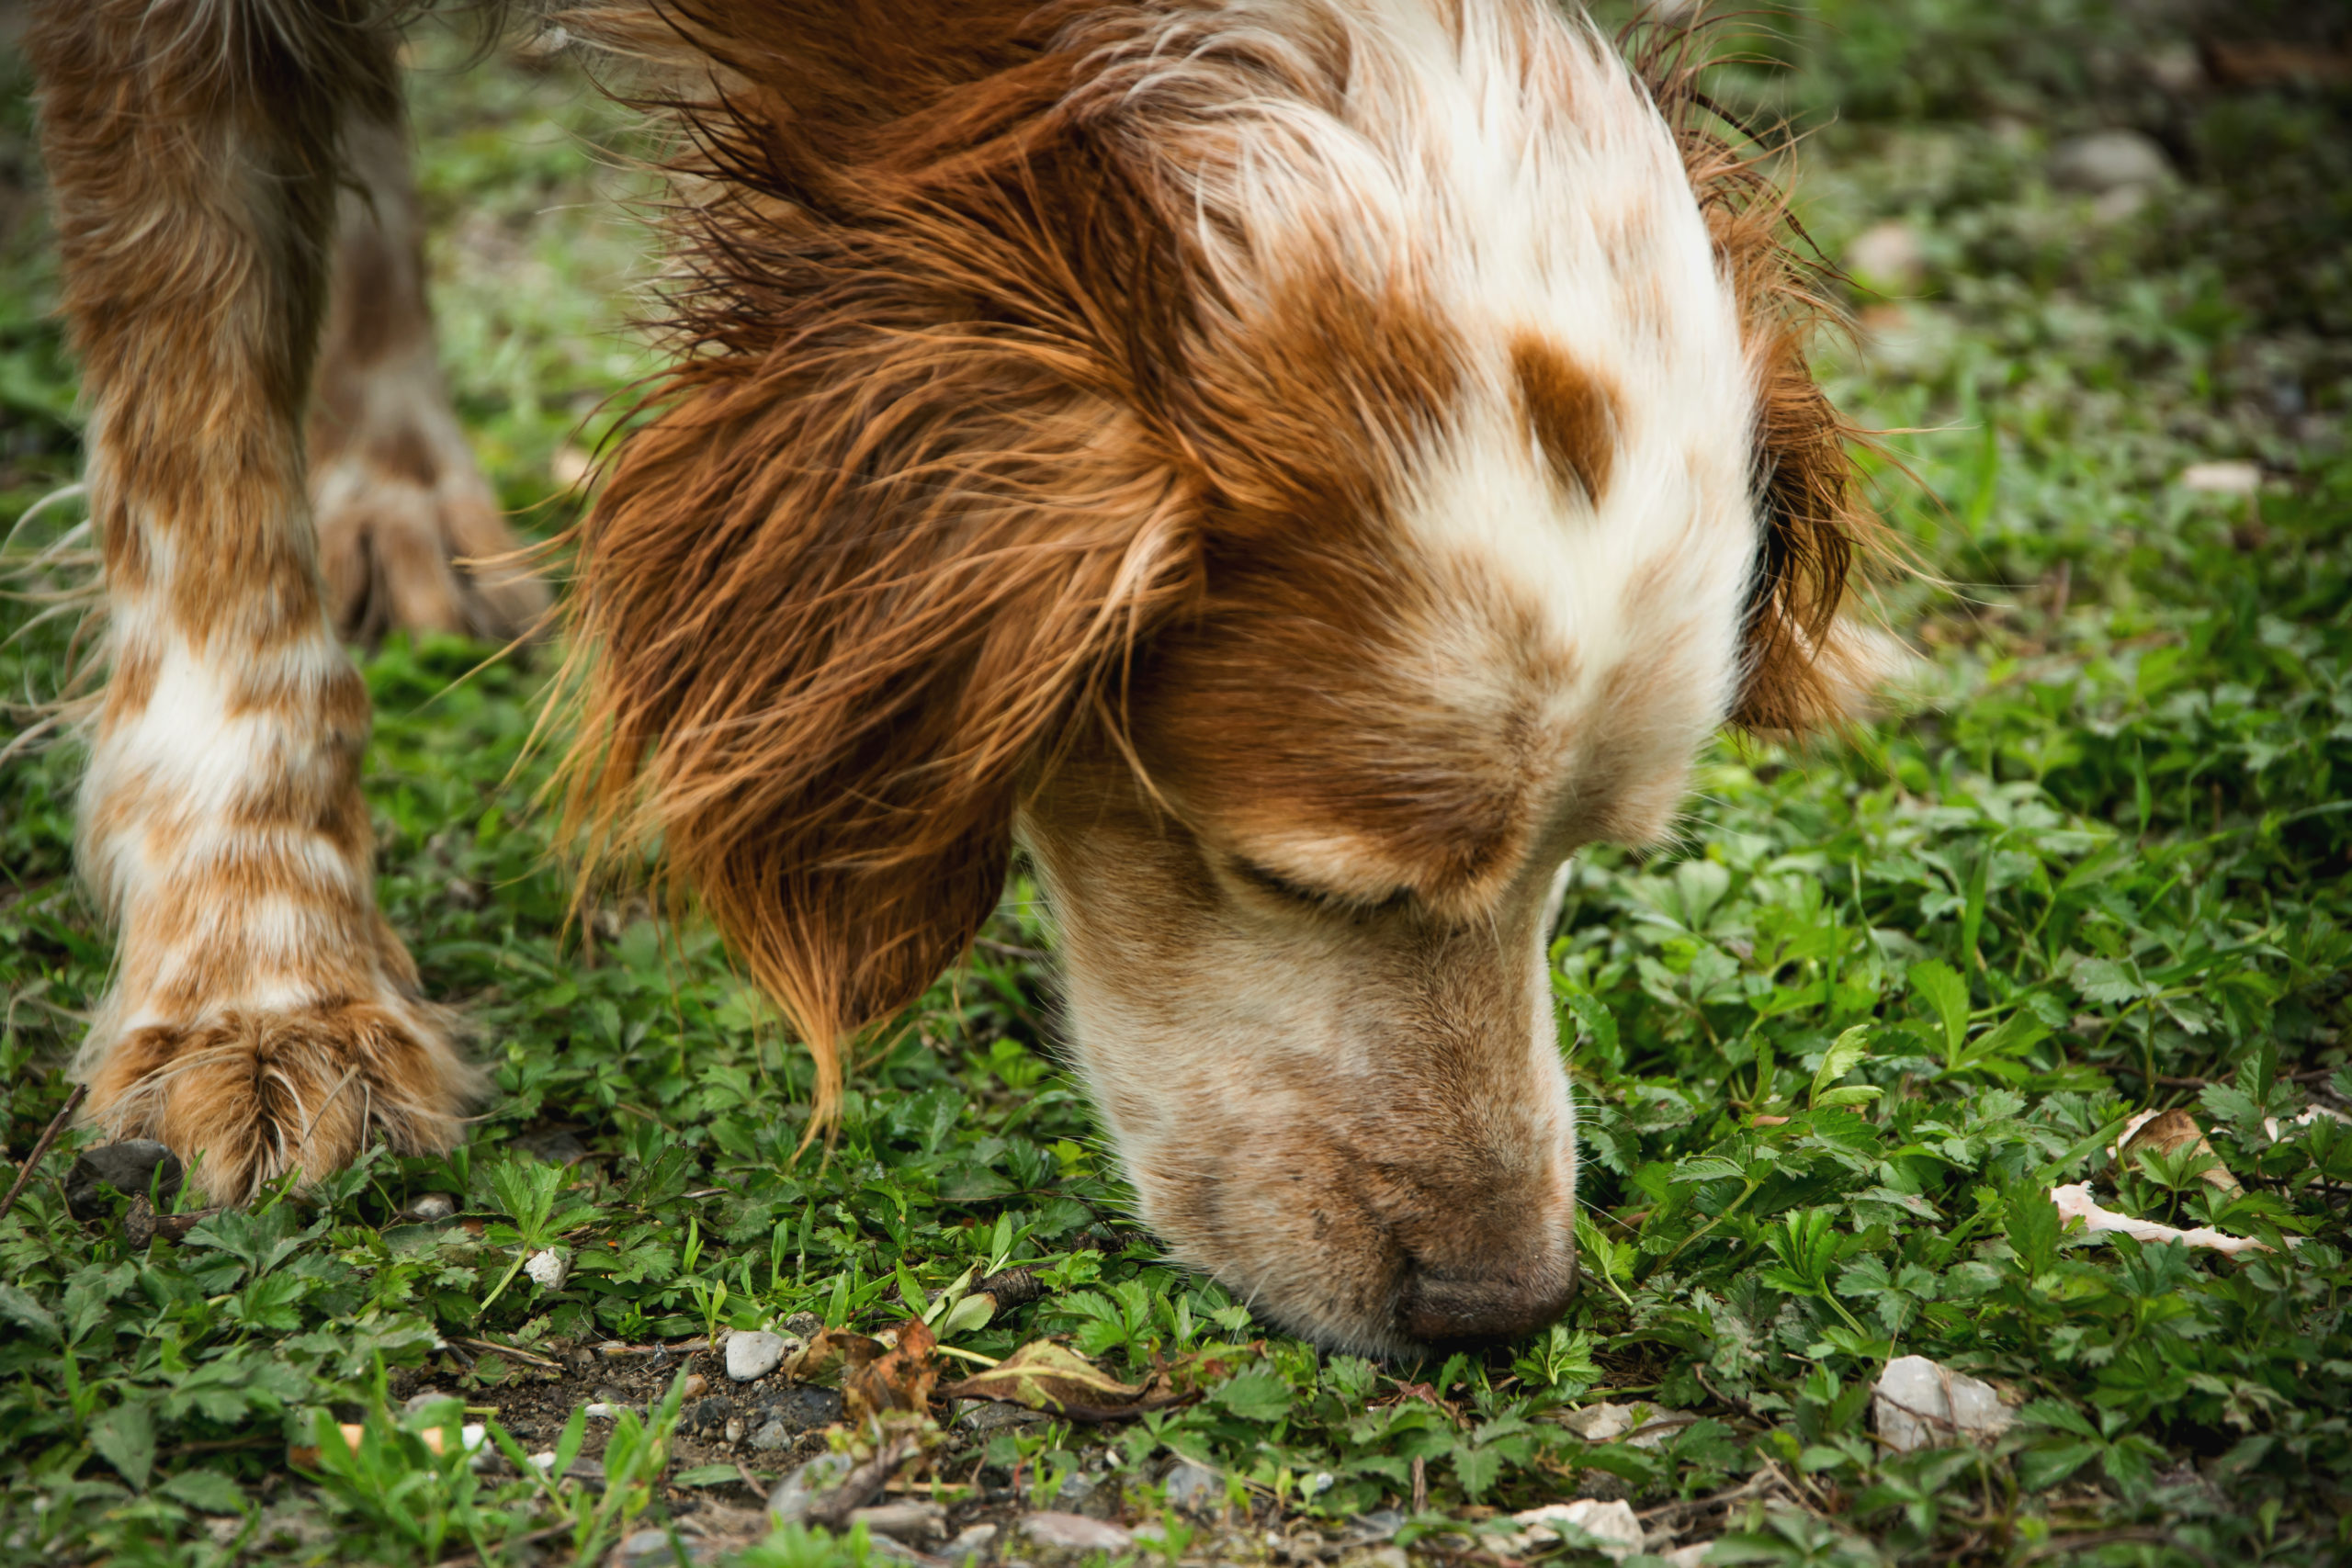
(263, 1017)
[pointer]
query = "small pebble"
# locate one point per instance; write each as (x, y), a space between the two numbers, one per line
(1076, 1532)
(913, 1523)
(804, 1324)
(549, 1269)
(774, 1436)
(734, 1429)
(604, 1411)
(695, 1383)
(2222, 478)
(1194, 1488)
(429, 1207)
(970, 1545)
(651, 1549)
(799, 1492)
(753, 1353)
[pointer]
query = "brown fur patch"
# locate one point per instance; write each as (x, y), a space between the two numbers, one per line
(1571, 412)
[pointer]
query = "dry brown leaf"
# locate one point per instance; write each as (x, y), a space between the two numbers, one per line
(1053, 1378)
(831, 1356)
(2168, 1132)
(899, 1380)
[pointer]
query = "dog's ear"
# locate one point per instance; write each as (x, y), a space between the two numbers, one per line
(1808, 663)
(893, 521)
(825, 653)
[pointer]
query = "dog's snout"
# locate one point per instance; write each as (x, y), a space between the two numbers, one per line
(1477, 1303)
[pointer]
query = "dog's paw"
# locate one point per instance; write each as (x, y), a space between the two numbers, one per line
(410, 539)
(246, 1097)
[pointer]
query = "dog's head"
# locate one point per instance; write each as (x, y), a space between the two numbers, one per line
(1305, 469)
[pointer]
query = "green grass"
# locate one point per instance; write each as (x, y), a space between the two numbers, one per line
(1831, 1053)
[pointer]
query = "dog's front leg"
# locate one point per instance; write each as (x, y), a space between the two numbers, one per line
(263, 1017)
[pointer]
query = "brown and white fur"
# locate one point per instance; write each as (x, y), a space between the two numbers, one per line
(1300, 467)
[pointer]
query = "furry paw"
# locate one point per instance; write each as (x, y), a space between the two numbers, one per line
(249, 1096)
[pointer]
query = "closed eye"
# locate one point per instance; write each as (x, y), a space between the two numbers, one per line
(1283, 887)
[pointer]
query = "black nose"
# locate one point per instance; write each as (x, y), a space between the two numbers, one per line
(1475, 1305)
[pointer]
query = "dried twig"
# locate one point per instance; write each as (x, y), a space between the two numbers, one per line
(47, 1136)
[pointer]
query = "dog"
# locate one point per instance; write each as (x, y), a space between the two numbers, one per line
(1300, 467)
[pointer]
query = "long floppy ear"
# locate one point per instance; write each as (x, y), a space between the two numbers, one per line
(894, 519)
(1809, 664)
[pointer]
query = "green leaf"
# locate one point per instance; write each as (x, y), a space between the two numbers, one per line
(208, 1490)
(708, 1475)
(1946, 993)
(2038, 1468)
(124, 1438)
(21, 1308)
(1476, 1470)
(1850, 1048)
(1255, 1396)
(1599, 1024)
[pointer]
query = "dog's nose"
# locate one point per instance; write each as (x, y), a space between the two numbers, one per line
(1472, 1304)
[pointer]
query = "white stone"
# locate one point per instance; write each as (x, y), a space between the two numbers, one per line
(1691, 1556)
(1612, 1524)
(754, 1353)
(1600, 1423)
(1923, 1403)
(600, 1411)
(2222, 478)
(2109, 160)
(549, 1269)
(1076, 1532)
(429, 1207)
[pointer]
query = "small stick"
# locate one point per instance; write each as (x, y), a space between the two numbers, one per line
(47, 1136)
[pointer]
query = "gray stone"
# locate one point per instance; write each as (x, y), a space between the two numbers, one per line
(799, 1492)
(704, 1418)
(1922, 1403)
(1369, 1530)
(1075, 1532)
(970, 1546)
(651, 1549)
(772, 1436)
(754, 1353)
(1087, 1495)
(428, 1207)
(803, 1409)
(2105, 161)
(1195, 1488)
(128, 1165)
(913, 1523)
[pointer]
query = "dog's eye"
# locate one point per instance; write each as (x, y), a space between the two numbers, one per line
(1283, 887)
